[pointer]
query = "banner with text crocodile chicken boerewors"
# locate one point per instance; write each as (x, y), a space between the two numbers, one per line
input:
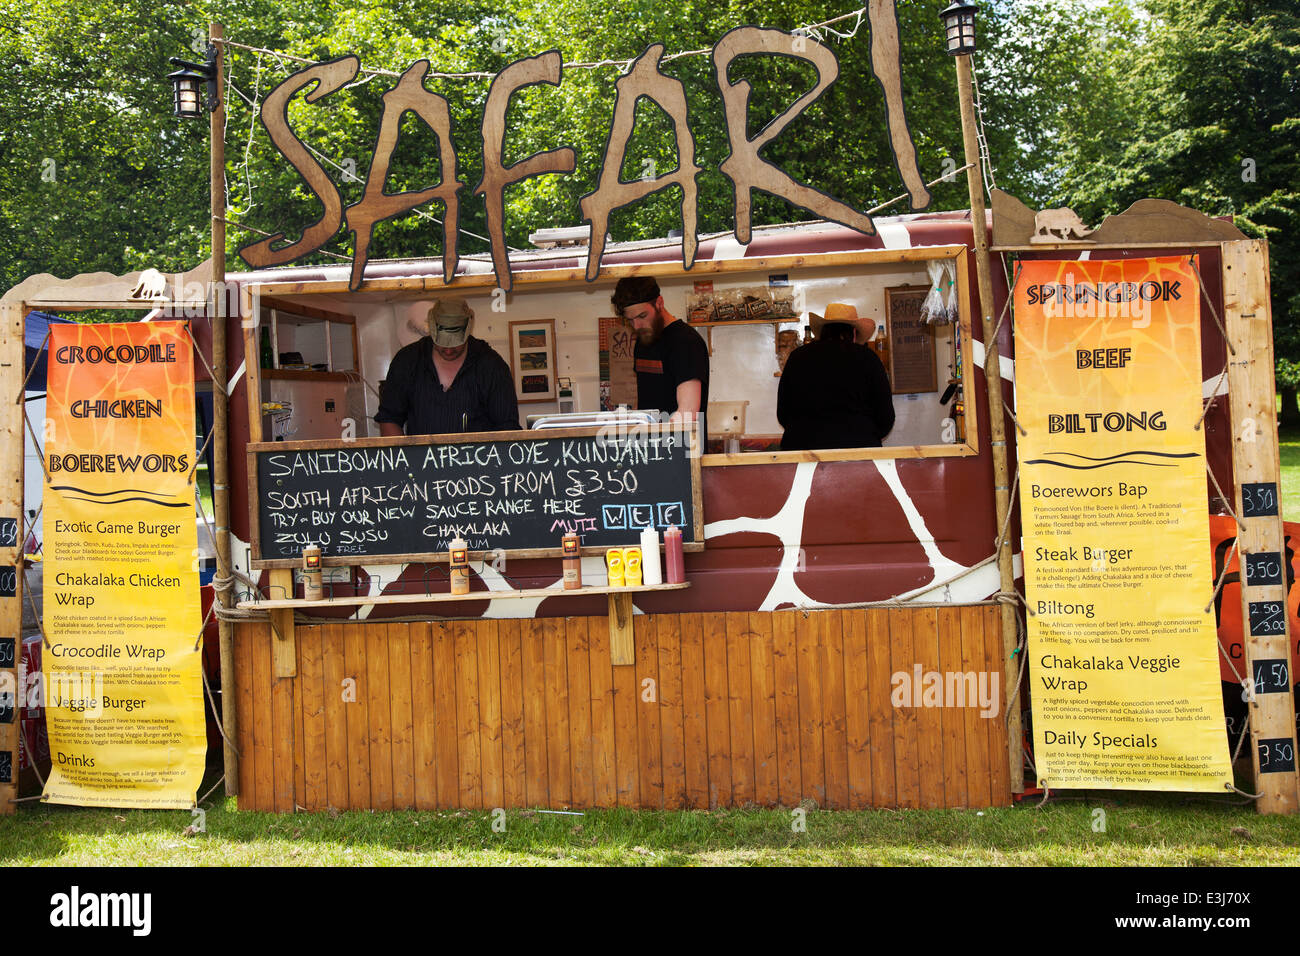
(123, 689)
(1123, 662)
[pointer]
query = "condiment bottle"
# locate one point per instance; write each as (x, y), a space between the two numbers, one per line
(651, 569)
(614, 567)
(570, 550)
(674, 561)
(632, 566)
(459, 566)
(312, 590)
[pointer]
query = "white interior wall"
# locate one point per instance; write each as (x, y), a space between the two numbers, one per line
(742, 366)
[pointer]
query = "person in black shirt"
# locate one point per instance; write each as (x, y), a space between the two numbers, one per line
(834, 392)
(448, 381)
(670, 357)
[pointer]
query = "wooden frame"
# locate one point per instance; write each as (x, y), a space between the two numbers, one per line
(424, 287)
(517, 357)
(694, 543)
(932, 382)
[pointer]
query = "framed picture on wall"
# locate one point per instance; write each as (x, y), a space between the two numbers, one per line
(532, 360)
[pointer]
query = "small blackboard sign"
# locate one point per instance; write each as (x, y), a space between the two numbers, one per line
(1259, 499)
(517, 493)
(8, 580)
(1264, 569)
(8, 649)
(6, 766)
(1276, 755)
(1267, 617)
(1271, 677)
(8, 532)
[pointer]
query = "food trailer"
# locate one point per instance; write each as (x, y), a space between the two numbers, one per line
(813, 578)
(851, 629)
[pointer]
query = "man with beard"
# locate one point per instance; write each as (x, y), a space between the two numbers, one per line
(671, 359)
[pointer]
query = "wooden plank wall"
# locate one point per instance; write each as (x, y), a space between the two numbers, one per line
(721, 709)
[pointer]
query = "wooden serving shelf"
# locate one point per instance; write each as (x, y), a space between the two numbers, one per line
(621, 646)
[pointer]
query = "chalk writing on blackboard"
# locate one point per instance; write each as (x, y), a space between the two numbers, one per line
(1259, 499)
(517, 493)
(1264, 569)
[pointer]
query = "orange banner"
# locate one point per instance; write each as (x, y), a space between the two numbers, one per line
(123, 688)
(1122, 652)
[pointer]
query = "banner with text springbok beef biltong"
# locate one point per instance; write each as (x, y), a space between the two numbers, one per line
(1123, 662)
(123, 689)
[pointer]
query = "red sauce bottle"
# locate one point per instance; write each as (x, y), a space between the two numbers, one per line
(674, 561)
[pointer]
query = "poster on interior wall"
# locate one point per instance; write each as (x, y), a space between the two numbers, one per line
(532, 360)
(123, 689)
(912, 361)
(1123, 659)
(617, 366)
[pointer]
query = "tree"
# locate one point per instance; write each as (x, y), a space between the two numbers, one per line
(1210, 103)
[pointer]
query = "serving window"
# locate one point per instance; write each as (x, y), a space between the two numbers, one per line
(751, 312)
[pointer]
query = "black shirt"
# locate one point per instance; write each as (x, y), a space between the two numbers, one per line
(678, 356)
(481, 397)
(834, 395)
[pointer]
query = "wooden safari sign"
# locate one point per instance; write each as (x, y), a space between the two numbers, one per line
(743, 165)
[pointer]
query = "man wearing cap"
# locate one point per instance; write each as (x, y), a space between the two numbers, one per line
(834, 391)
(670, 357)
(448, 381)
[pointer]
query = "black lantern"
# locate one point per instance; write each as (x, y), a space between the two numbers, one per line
(186, 82)
(959, 22)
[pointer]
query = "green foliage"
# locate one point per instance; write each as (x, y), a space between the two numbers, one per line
(1090, 105)
(1202, 101)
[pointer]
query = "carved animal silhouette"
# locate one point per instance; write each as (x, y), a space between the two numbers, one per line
(1059, 224)
(152, 284)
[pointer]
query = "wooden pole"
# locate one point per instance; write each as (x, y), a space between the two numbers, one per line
(997, 419)
(12, 319)
(218, 301)
(1252, 401)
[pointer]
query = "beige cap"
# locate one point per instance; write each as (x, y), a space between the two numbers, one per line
(449, 321)
(843, 312)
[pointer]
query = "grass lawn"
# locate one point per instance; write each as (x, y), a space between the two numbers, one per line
(1140, 829)
(1289, 446)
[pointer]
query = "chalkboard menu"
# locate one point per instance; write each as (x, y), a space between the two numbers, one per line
(405, 499)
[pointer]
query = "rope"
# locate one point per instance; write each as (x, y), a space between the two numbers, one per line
(214, 787)
(45, 641)
(1222, 575)
(1191, 260)
(1006, 309)
(31, 371)
(811, 30)
(1214, 393)
(1022, 641)
(1000, 540)
(215, 713)
(39, 452)
(1224, 498)
(945, 178)
(1253, 796)
(1015, 421)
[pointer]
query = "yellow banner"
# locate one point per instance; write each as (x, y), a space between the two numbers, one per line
(1123, 664)
(123, 689)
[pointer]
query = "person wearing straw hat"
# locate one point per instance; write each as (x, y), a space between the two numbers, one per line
(448, 381)
(834, 391)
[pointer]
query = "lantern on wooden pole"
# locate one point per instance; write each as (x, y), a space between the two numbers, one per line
(192, 81)
(191, 104)
(959, 27)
